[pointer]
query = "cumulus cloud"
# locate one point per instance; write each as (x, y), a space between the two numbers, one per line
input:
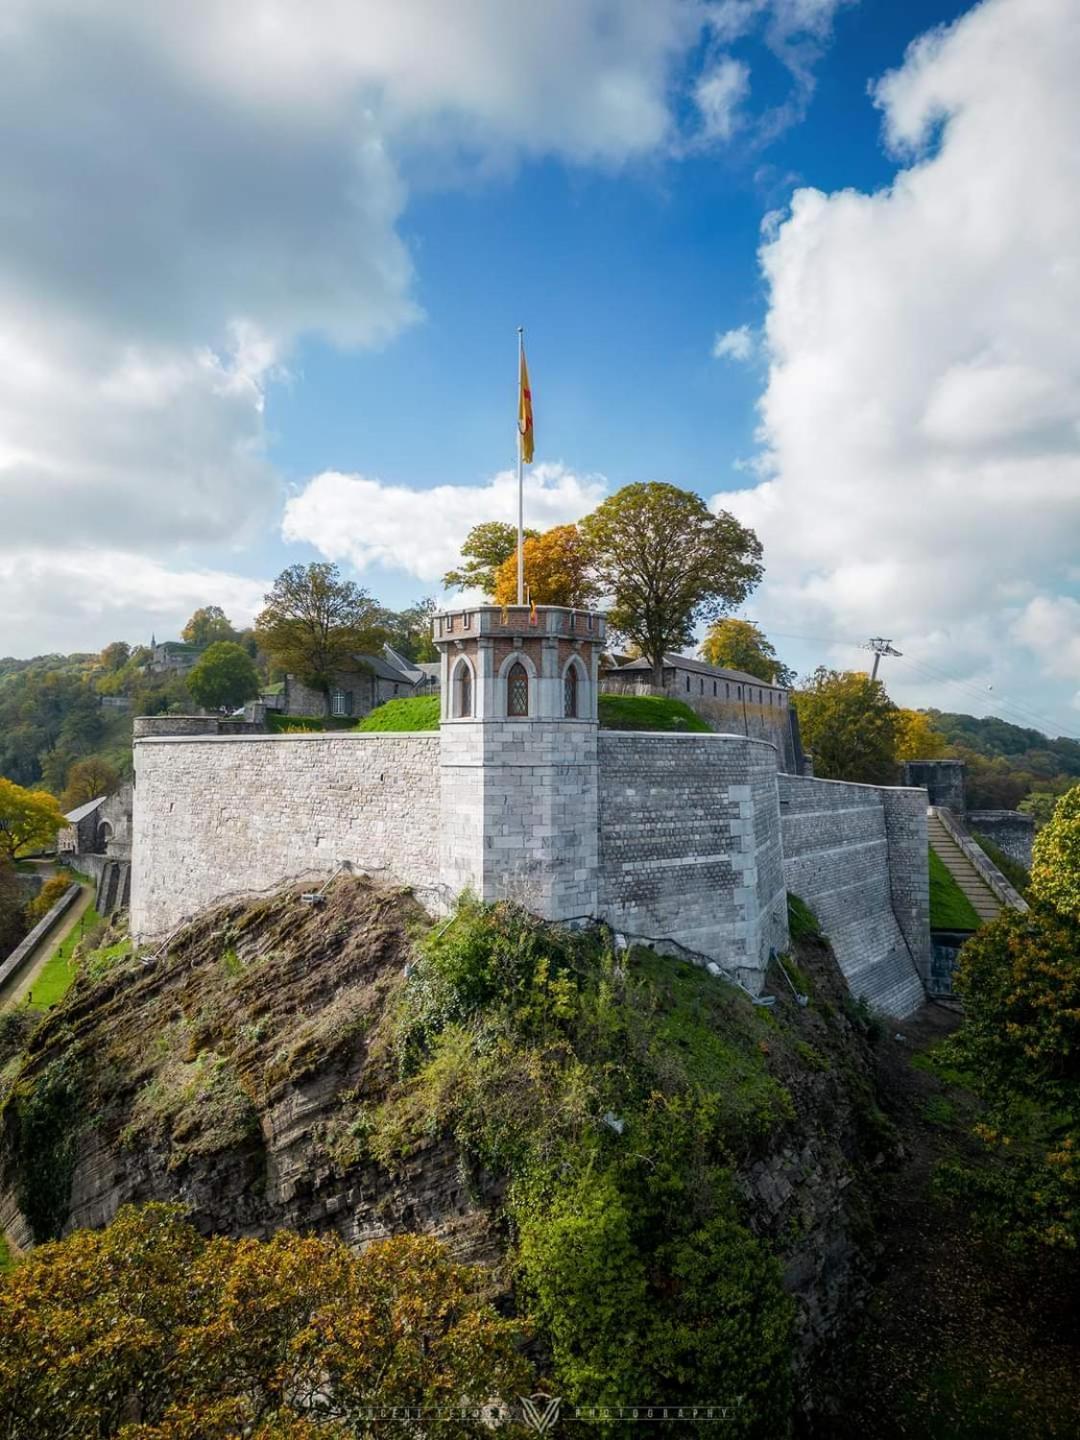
(185, 191)
(734, 344)
(920, 430)
(366, 522)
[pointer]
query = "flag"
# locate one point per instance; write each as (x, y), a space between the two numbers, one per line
(525, 415)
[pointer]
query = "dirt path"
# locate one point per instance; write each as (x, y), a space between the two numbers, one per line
(19, 986)
(956, 1342)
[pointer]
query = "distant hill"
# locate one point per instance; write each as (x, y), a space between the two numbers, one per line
(1007, 763)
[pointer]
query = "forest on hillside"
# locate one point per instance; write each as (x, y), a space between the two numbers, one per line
(1009, 766)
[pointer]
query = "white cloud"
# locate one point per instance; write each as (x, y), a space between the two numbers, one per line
(734, 344)
(920, 420)
(718, 94)
(367, 522)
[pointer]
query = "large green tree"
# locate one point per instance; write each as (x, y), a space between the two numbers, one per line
(668, 563)
(851, 726)
(223, 677)
(486, 547)
(29, 819)
(1055, 861)
(86, 780)
(742, 645)
(209, 623)
(315, 623)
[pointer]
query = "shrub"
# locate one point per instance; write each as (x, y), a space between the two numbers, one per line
(649, 712)
(1055, 862)
(55, 887)
(802, 922)
(148, 1330)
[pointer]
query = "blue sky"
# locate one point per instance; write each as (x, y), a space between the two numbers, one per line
(261, 268)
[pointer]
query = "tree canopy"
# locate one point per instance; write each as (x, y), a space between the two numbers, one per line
(668, 563)
(556, 570)
(486, 547)
(29, 819)
(314, 623)
(86, 780)
(1055, 860)
(209, 623)
(223, 677)
(742, 645)
(851, 726)
(916, 738)
(147, 1330)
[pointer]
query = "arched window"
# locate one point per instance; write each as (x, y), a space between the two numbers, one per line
(462, 691)
(570, 692)
(517, 690)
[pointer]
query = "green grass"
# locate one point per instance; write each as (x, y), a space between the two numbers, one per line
(649, 712)
(6, 1262)
(802, 922)
(54, 980)
(1013, 871)
(950, 909)
(279, 724)
(410, 712)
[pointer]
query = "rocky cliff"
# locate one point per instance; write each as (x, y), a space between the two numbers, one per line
(238, 1070)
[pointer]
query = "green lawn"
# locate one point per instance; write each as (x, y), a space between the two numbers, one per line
(279, 724)
(54, 979)
(950, 909)
(649, 712)
(410, 712)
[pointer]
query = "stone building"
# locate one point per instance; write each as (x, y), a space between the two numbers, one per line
(371, 680)
(733, 702)
(172, 657)
(97, 842)
(687, 841)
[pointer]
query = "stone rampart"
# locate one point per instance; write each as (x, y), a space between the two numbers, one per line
(690, 845)
(220, 815)
(857, 854)
(1011, 831)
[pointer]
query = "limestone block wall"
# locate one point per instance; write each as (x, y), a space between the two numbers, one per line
(690, 844)
(519, 813)
(217, 815)
(1010, 830)
(857, 854)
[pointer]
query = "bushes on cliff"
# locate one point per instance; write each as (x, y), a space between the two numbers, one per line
(146, 1330)
(1055, 861)
(1019, 1047)
(613, 1095)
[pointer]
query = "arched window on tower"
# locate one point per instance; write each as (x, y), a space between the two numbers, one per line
(517, 690)
(570, 692)
(462, 691)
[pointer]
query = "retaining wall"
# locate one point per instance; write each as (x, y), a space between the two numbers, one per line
(1010, 830)
(220, 815)
(690, 844)
(857, 854)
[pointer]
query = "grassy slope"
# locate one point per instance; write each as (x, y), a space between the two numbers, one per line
(617, 712)
(411, 712)
(950, 909)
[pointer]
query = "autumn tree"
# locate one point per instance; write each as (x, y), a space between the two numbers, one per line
(314, 624)
(486, 547)
(86, 780)
(149, 1330)
(668, 563)
(1055, 857)
(556, 570)
(223, 677)
(209, 623)
(29, 819)
(916, 738)
(742, 645)
(115, 656)
(851, 726)
(53, 889)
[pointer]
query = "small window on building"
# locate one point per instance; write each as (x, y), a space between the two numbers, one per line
(517, 690)
(688, 684)
(738, 689)
(588, 621)
(449, 622)
(570, 687)
(701, 684)
(466, 621)
(714, 687)
(727, 690)
(463, 692)
(338, 702)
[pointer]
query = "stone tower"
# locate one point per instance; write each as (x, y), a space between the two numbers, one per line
(518, 755)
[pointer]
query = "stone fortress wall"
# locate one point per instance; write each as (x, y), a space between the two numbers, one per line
(686, 840)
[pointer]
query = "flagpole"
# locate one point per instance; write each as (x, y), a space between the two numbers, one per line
(521, 481)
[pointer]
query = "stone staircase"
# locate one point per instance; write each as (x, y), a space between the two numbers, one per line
(983, 900)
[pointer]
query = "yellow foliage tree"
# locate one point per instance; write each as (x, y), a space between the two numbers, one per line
(916, 738)
(146, 1330)
(29, 819)
(556, 570)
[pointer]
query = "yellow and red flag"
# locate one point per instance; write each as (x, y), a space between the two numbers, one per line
(525, 413)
